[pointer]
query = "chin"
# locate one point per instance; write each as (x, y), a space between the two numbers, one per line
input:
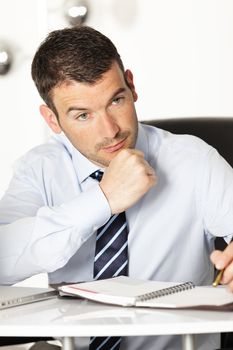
(105, 159)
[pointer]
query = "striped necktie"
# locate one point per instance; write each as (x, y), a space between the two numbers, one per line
(111, 259)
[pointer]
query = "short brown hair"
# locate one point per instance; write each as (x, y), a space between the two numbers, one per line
(80, 54)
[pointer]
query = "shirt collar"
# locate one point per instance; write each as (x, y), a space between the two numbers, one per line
(84, 167)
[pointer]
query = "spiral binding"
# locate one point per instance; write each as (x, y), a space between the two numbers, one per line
(166, 291)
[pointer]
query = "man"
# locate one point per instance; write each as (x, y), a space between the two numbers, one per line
(176, 191)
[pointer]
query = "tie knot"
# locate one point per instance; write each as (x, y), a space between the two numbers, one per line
(97, 175)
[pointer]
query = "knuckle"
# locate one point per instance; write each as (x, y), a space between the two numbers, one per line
(126, 151)
(134, 160)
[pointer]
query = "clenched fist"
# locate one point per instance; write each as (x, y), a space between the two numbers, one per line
(127, 179)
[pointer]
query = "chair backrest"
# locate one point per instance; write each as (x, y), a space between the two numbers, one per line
(216, 131)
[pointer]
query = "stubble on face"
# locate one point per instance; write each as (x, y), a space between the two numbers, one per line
(100, 157)
(91, 142)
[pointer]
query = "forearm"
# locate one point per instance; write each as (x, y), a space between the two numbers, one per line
(45, 242)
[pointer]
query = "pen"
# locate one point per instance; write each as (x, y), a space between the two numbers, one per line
(218, 278)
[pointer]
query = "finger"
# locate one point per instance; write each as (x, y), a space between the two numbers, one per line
(215, 256)
(224, 258)
(230, 286)
(148, 169)
(153, 180)
(152, 173)
(137, 151)
(128, 154)
(227, 277)
(132, 151)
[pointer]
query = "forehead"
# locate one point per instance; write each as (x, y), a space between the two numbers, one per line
(84, 93)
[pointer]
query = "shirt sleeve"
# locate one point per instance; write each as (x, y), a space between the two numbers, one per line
(35, 237)
(215, 195)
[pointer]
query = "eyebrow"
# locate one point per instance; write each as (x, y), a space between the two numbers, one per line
(76, 108)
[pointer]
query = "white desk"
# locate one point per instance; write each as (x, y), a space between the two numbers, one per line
(71, 318)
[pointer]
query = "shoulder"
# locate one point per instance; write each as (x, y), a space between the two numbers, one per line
(52, 154)
(183, 144)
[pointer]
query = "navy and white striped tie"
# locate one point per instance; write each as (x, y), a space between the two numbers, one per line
(111, 259)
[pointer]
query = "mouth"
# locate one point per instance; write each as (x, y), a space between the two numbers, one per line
(114, 148)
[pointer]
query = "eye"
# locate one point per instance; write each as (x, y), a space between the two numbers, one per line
(82, 117)
(117, 100)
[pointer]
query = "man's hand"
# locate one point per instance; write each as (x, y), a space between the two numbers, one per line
(224, 260)
(127, 179)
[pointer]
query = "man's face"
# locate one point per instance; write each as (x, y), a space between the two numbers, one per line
(99, 119)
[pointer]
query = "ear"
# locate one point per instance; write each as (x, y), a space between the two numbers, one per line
(129, 79)
(50, 118)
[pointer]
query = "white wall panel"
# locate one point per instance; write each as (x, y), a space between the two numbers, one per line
(21, 126)
(180, 51)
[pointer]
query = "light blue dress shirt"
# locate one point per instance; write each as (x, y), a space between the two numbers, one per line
(51, 211)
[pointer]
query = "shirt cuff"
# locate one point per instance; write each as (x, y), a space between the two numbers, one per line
(89, 211)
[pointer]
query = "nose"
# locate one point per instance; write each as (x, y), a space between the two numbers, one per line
(108, 126)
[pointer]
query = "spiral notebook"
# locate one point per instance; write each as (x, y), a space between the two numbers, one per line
(126, 291)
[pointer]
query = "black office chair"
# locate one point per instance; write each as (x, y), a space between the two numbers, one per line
(218, 132)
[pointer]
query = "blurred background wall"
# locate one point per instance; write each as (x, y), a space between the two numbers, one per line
(180, 51)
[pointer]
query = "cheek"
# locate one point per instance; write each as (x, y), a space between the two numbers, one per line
(131, 114)
(131, 121)
(83, 140)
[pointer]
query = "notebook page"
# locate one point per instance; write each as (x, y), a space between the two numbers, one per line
(119, 291)
(208, 296)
